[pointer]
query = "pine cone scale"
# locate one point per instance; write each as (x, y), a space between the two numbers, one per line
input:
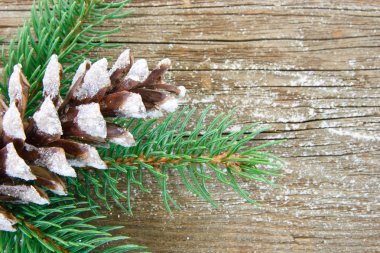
(18, 89)
(49, 180)
(63, 133)
(7, 220)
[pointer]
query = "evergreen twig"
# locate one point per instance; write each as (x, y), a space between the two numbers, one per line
(70, 29)
(58, 228)
(194, 154)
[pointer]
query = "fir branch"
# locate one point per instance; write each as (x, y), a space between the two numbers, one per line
(197, 155)
(59, 228)
(69, 29)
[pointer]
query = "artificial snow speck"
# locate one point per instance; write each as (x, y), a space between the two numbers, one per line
(154, 114)
(6, 224)
(126, 140)
(182, 91)
(80, 71)
(91, 159)
(139, 71)
(122, 61)
(51, 81)
(47, 119)
(169, 105)
(91, 121)
(15, 86)
(96, 78)
(55, 160)
(59, 190)
(94, 159)
(12, 123)
(165, 61)
(133, 107)
(25, 194)
(15, 166)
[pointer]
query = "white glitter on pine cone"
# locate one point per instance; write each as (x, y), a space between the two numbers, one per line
(15, 86)
(122, 61)
(54, 159)
(51, 81)
(59, 189)
(12, 123)
(15, 166)
(133, 107)
(92, 159)
(95, 79)
(154, 113)
(80, 71)
(125, 140)
(6, 224)
(165, 61)
(46, 118)
(182, 91)
(25, 193)
(169, 104)
(56, 162)
(90, 120)
(139, 71)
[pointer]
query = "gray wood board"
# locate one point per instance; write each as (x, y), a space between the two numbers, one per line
(308, 68)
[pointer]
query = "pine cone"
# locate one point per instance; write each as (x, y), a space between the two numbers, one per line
(62, 133)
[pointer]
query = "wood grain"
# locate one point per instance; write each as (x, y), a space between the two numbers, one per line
(308, 68)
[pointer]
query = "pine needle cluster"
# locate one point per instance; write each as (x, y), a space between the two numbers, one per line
(61, 227)
(70, 29)
(197, 154)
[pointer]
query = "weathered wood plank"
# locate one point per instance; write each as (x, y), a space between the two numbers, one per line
(353, 38)
(308, 68)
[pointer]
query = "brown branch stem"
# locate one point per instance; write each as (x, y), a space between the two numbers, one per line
(81, 21)
(156, 162)
(44, 238)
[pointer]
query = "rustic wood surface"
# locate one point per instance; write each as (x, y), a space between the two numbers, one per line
(310, 69)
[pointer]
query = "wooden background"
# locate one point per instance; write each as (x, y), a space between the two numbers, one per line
(310, 69)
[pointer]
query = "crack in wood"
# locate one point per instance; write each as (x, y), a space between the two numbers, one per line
(275, 61)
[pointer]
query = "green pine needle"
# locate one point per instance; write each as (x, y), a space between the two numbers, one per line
(70, 29)
(60, 227)
(197, 156)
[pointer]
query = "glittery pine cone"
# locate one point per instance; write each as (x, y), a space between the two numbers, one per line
(36, 152)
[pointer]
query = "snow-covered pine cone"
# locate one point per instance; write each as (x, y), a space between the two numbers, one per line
(61, 134)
